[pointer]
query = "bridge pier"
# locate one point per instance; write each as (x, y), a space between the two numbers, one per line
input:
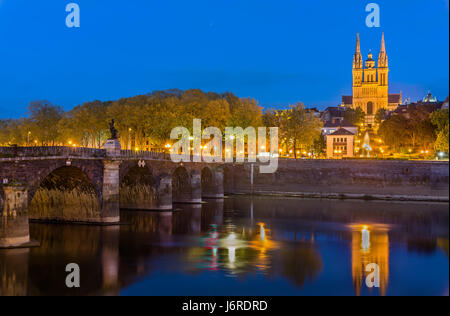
(164, 193)
(191, 191)
(215, 188)
(110, 212)
(196, 187)
(14, 230)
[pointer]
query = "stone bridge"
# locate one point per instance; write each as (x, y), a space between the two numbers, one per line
(91, 185)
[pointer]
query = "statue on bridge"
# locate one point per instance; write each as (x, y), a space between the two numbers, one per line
(114, 132)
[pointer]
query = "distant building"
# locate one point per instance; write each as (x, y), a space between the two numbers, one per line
(334, 113)
(445, 104)
(334, 125)
(340, 144)
(428, 103)
(371, 85)
(315, 112)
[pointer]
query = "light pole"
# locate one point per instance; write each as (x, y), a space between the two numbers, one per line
(129, 138)
(28, 138)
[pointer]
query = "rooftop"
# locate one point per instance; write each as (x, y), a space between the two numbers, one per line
(342, 132)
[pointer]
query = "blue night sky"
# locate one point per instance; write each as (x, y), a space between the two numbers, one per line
(276, 51)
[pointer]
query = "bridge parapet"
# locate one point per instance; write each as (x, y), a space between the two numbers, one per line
(82, 152)
(51, 151)
(140, 154)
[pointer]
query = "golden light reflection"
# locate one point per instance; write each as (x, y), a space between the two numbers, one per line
(365, 236)
(370, 244)
(262, 232)
(238, 250)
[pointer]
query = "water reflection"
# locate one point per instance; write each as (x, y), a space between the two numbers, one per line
(260, 246)
(370, 244)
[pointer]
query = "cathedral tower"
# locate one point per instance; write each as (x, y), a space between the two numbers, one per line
(371, 84)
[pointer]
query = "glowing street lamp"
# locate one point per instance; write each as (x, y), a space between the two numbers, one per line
(365, 236)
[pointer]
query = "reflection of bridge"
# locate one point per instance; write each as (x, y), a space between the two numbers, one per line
(91, 185)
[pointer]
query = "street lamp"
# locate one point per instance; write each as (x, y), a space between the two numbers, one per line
(129, 137)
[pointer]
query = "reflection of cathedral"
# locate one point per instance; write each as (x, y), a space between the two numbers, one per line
(370, 247)
(371, 84)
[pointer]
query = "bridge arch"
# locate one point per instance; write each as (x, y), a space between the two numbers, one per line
(67, 193)
(212, 182)
(93, 170)
(181, 185)
(137, 187)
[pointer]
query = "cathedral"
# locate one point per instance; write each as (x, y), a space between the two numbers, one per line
(371, 84)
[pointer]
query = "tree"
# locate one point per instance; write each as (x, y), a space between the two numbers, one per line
(380, 115)
(85, 125)
(246, 113)
(43, 122)
(412, 130)
(299, 128)
(394, 132)
(355, 116)
(320, 146)
(4, 132)
(440, 119)
(441, 143)
(271, 118)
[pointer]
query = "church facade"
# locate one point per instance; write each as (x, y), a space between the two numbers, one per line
(371, 84)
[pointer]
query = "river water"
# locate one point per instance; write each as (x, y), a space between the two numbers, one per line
(243, 246)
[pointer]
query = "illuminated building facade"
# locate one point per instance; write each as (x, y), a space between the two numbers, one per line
(371, 84)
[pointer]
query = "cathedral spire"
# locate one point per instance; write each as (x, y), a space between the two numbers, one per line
(358, 46)
(383, 46)
(357, 58)
(382, 57)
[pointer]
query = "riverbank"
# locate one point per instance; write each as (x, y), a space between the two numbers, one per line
(349, 196)
(347, 179)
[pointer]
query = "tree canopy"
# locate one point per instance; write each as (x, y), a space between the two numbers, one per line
(413, 129)
(299, 129)
(140, 119)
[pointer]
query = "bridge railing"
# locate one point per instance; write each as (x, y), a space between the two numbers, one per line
(140, 154)
(65, 151)
(50, 151)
